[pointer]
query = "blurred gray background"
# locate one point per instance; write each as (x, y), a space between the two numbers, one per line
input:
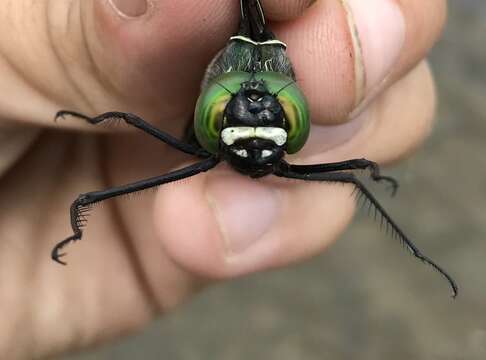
(366, 298)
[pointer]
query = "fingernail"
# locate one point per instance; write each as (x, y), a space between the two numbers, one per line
(130, 8)
(245, 212)
(378, 30)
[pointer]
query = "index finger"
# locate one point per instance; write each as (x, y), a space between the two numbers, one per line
(347, 51)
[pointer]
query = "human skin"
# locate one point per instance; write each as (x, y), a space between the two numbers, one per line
(140, 258)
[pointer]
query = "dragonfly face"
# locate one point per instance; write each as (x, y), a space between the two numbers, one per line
(253, 137)
(252, 120)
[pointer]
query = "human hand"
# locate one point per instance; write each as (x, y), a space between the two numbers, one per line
(142, 257)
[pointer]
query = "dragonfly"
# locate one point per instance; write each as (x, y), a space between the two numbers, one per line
(250, 113)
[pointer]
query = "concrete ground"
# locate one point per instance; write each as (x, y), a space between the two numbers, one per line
(366, 298)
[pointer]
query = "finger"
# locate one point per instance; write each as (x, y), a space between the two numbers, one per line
(88, 56)
(400, 120)
(233, 225)
(223, 224)
(347, 51)
(425, 22)
(392, 127)
(15, 141)
(280, 10)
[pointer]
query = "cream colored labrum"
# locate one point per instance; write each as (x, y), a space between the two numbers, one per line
(231, 135)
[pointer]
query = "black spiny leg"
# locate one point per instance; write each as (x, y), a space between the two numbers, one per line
(139, 123)
(82, 204)
(355, 164)
(349, 178)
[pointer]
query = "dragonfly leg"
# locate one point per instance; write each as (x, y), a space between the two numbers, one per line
(82, 204)
(141, 124)
(349, 178)
(354, 164)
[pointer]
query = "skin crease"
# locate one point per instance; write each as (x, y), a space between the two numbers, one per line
(137, 259)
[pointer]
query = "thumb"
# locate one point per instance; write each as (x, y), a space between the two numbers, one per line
(222, 225)
(95, 55)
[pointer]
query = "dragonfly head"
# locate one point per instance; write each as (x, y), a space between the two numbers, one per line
(254, 135)
(252, 120)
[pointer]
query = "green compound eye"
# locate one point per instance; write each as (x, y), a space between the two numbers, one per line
(295, 106)
(209, 113)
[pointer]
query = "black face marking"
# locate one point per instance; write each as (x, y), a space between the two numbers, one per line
(253, 105)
